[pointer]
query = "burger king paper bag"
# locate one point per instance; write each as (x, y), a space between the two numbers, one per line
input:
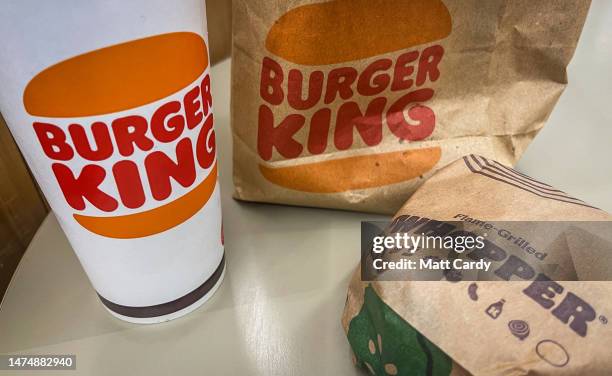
(529, 324)
(352, 104)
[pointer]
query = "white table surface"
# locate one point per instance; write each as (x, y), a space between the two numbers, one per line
(278, 310)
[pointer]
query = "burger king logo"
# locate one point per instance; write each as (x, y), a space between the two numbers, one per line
(319, 72)
(127, 131)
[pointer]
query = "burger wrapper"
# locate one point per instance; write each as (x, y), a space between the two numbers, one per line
(352, 104)
(442, 328)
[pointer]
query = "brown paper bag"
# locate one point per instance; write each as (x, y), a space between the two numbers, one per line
(535, 327)
(352, 104)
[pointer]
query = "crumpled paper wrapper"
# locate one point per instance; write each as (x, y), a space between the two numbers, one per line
(512, 327)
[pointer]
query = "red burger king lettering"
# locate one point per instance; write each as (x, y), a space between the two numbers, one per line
(409, 72)
(124, 135)
(338, 86)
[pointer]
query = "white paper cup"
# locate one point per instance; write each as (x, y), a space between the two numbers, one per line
(109, 101)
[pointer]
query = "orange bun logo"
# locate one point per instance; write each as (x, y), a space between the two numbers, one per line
(321, 100)
(110, 152)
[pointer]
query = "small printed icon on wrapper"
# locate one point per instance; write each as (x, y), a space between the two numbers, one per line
(553, 353)
(472, 288)
(495, 309)
(519, 328)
